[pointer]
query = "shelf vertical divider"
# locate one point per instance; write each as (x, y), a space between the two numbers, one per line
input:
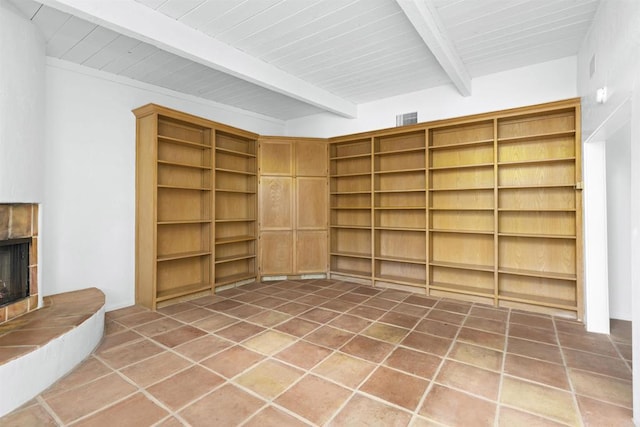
(427, 205)
(496, 219)
(372, 207)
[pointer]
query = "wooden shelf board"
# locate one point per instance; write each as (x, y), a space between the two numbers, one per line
(400, 208)
(440, 230)
(461, 266)
(538, 300)
(355, 227)
(181, 187)
(236, 220)
(351, 255)
(404, 150)
(234, 258)
(535, 210)
(183, 142)
(534, 273)
(234, 278)
(477, 165)
(351, 156)
(234, 239)
(537, 161)
(401, 171)
(463, 209)
(350, 208)
(400, 280)
(351, 273)
(404, 190)
(188, 221)
(537, 236)
(461, 289)
(404, 260)
(462, 188)
(179, 291)
(400, 228)
(346, 175)
(548, 135)
(533, 186)
(461, 144)
(225, 190)
(235, 152)
(239, 172)
(339, 193)
(183, 255)
(183, 165)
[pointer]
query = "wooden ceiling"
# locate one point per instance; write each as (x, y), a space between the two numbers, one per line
(292, 58)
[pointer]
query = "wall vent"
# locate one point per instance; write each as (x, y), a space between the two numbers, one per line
(407, 119)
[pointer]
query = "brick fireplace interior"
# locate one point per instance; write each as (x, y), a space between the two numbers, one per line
(20, 221)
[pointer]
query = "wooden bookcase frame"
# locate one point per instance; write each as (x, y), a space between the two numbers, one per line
(486, 208)
(502, 208)
(196, 205)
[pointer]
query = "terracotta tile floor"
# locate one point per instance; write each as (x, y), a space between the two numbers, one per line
(325, 352)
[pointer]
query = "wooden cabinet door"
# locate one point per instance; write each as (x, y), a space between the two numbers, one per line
(276, 207)
(276, 252)
(311, 203)
(311, 158)
(311, 251)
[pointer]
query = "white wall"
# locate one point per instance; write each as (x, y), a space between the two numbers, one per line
(90, 174)
(618, 182)
(550, 81)
(614, 40)
(21, 107)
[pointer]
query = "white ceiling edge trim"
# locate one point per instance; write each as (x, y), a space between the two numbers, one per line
(137, 84)
(138, 21)
(425, 19)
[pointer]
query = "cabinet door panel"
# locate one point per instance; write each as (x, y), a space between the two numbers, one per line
(311, 158)
(276, 158)
(276, 252)
(276, 197)
(311, 252)
(311, 200)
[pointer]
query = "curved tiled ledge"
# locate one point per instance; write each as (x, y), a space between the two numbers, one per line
(40, 347)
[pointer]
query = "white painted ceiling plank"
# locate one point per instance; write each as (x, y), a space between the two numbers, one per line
(175, 66)
(117, 48)
(525, 42)
(28, 8)
(268, 18)
(207, 12)
(380, 33)
(67, 36)
(235, 17)
(153, 4)
(139, 21)
(95, 41)
(134, 55)
(322, 31)
(49, 21)
(423, 15)
(272, 37)
(176, 9)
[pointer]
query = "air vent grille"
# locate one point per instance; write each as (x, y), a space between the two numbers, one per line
(407, 119)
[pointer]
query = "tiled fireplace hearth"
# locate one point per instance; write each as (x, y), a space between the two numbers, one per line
(20, 221)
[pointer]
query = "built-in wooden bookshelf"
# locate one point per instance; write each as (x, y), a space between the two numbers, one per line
(236, 209)
(485, 208)
(186, 243)
(350, 206)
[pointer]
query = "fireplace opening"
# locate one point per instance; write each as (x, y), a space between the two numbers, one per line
(14, 270)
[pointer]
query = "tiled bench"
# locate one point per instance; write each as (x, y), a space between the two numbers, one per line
(40, 347)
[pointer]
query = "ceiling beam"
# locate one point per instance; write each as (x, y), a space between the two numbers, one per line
(138, 21)
(425, 19)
